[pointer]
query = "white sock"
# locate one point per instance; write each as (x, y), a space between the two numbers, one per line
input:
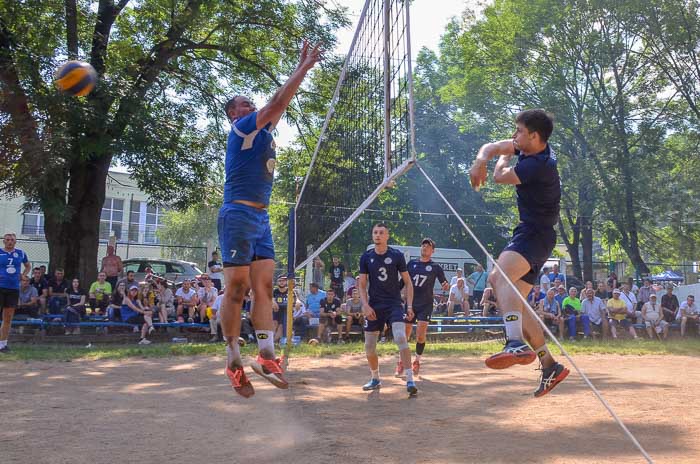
(418, 357)
(409, 374)
(234, 352)
(375, 374)
(266, 342)
(3, 343)
(513, 322)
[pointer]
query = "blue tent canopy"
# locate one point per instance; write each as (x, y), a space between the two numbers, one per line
(667, 276)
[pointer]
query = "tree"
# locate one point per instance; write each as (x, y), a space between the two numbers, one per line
(164, 69)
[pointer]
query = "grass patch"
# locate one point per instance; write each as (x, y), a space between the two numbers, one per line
(56, 352)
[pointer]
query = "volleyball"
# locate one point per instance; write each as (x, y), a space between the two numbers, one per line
(76, 78)
(313, 342)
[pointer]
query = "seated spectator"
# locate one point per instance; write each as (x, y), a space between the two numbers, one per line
(597, 312)
(129, 280)
(75, 309)
(214, 318)
(630, 300)
(58, 289)
(561, 294)
(670, 305)
(488, 303)
(571, 307)
(41, 285)
(603, 293)
(459, 274)
(550, 312)
(28, 302)
(643, 294)
(535, 295)
(115, 305)
(300, 316)
(99, 294)
(132, 312)
(353, 311)
(147, 297)
(165, 300)
(556, 283)
(349, 283)
(186, 298)
(587, 286)
(331, 316)
(206, 296)
(689, 314)
(314, 298)
(618, 315)
(544, 281)
(458, 299)
(216, 270)
(653, 319)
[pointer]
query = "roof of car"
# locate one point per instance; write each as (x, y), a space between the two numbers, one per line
(159, 260)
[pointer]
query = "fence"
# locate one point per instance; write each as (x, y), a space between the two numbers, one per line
(602, 269)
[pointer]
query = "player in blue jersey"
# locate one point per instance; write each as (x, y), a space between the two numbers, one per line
(538, 187)
(244, 226)
(11, 259)
(423, 274)
(383, 268)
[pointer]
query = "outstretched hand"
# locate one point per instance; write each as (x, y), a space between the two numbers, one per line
(478, 174)
(309, 56)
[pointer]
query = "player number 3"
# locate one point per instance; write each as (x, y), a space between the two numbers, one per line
(382, 274)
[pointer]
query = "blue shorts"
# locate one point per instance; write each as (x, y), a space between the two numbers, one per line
(535, 244)
(386, 314)
(244, 235)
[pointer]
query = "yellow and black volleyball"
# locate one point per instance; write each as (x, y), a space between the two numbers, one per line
(76, 78)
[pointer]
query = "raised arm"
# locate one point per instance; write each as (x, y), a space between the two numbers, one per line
(478, 173)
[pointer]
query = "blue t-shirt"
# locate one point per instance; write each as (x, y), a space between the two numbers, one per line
(126, 312)
(313, 302)
(552, 277)
(250, 162)
(539, 191)
(537, 298)
(479, 279)
(384, 279)
(423, 275)
(10, 268)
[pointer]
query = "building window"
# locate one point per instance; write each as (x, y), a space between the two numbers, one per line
(112, 218)
(144, 222)
(33, 222)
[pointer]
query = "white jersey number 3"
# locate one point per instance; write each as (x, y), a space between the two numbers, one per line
(382, 274)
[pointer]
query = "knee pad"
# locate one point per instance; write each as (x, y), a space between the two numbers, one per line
(398, 329)
(371, 342)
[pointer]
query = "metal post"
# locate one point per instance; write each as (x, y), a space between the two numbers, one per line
(290, 284)
(387, 88)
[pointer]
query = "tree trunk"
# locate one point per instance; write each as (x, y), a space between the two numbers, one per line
(572, 245)
(587, 247)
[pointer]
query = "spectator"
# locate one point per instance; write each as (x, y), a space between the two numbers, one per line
(631, 303)
(14, 264)
(99, 294)
(280, 298)
(535, 295)
(317, 272)
(549, 311)
(166, 300)
(353, 311)
(561, 294)
(555, 274)
(571, 307)
(331, 317)
(216, 270)
(75, 309)
(337, 275)
(653, 320)
(670, 305)
(115, 306)
(612, 282)
(348, 284)
(42, 287)
(58, 288)
(556, 283)
(314, 298)
(186, 298)
(632, 286)
(689, 314)
(618, 315)
(147, 297)
(133, 312)
(28, 303)
(112, 266)
(545, 283)
(348, 292)
(488, 303)
(593, 307)
(214, 319)
(129, 280)
(44, 276)
(459, 298)
(602, 292)
(301, 316)
(584, 291)
(643, 294)
(477, 281)
(459, 275)
(206, 296)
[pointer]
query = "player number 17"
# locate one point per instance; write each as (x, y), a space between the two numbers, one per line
(419, 280)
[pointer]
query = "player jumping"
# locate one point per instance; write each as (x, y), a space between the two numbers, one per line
(381, 267)
(244, 225)
(423, 273)
(538, 189)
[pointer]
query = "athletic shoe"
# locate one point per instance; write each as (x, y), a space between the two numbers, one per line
(411, 388)
(5, 349)
(399, 369)
(551, 376)
(416, 367)
(151, 329)
(145, 341)
(239, 381)
(271, 370)
(515, 352)
(373, 384)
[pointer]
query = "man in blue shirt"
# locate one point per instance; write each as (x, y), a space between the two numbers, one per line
(314, 298)
(384, 268)
(555, 274)
(538, 187)
(245, 237)
(11, 259)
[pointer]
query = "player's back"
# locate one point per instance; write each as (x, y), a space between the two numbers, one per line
(384, 279)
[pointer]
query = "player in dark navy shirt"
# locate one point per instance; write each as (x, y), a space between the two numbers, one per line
(244, 230)
(538, 187)
(424, 272)
(384, 268)
(13, 264)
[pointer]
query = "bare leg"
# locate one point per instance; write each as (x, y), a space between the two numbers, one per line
(261, 274)
(237, 284)
(7, 315)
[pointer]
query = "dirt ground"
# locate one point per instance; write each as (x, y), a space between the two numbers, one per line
(182, 410)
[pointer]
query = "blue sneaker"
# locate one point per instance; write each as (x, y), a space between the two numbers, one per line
(373, 384)
(411, 388)
(515, 352)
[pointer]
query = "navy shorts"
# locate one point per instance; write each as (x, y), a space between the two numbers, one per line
(244, 235)
(281, 315)
(535, 244)
(422, 313)
(386, 314)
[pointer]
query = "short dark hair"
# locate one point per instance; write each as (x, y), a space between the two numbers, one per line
(129, 272)
(313, 284)
(231, 102)
(429, 241)
(380, 224)
(537, 121)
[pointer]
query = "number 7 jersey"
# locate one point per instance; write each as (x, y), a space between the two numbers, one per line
(384, 276)
(423, 275)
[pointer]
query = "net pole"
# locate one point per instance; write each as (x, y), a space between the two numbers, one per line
(411, 116)
(387, 88)
(290, 284)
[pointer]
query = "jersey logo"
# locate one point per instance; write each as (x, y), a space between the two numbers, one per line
(15, 255)
(387, 261)
(371, 260)
(428, 268)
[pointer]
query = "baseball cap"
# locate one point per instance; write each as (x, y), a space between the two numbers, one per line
(134, 287)
(617, 290)
(653, 295)
(429, 241)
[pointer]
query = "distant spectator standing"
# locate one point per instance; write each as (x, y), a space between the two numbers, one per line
(75, 309)
(28, 299)
(39, 282)
(58, 288)
(317, 272)
(11, 259)
(613, 282)
(349, 284)
(670, 305)
(653, 320)
(555, 274)
(112, 266)
(99, 292)
(689, 314)
(337, 276)
(545, 283)
(477, 281)
(280, 298)
(643, 294)
(216, 270)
